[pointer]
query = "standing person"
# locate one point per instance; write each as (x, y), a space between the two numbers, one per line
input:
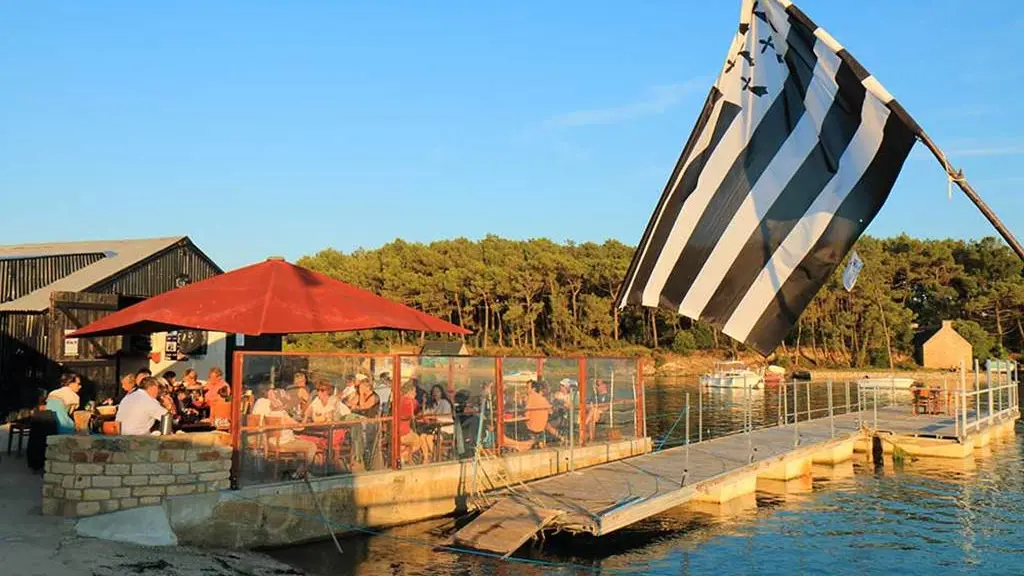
(140, 409)
(367, 405)
(70, 385)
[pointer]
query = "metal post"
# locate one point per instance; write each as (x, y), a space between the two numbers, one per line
(700, 415)
(892, 386)
(687, 441)
(611, 397)
(808, 401)
(750, 423)
(779, 420)
(874, 407)
(847, 386)
(831, 415)
(785, 403)
(988, 370)
(796, 413)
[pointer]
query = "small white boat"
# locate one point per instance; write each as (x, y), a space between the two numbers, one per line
(520, 377)
(886, 383)
(732, 375)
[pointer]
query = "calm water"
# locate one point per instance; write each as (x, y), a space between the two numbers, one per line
(926, 517)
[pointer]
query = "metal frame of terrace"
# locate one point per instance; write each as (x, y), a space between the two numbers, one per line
(587, 370)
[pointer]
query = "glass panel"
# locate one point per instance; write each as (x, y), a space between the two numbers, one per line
(328, 414)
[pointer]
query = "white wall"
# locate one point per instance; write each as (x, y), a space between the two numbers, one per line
(216, 355)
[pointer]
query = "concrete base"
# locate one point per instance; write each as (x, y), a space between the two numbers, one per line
(147, 526)
(862, 445)
(833, 472)
(929, 447)
(735, 507)
(788, 469)
(802, 485)
(983, 438)
(835, 454)
(727, 490)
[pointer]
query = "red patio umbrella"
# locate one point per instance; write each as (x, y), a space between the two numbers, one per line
(272, 297)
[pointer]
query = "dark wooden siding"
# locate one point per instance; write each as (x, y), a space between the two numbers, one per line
(157, 274)
(24, 367)
(20, 276)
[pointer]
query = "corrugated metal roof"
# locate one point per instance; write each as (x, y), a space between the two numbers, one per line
(120, 254)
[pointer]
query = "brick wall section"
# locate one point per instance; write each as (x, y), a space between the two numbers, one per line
(88, 475)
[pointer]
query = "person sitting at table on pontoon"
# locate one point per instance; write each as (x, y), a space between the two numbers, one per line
(440, 406)
(409, 440)
(271, 408)
(325, 409)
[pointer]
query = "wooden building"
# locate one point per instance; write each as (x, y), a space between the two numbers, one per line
(944, 348)
(48, 290)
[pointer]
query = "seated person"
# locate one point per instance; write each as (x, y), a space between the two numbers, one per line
(64, 423)
(324, 409)
(140, 410)
(220, 408)
(538, 412)
(410, 441)
(439, 405)
(272, 406)
(126, 388)
(70, 385)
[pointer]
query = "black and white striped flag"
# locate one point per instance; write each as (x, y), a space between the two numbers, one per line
(795, 151)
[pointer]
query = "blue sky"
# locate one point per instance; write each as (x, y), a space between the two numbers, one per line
(281, 128)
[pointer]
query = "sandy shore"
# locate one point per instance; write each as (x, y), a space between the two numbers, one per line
(33, 544)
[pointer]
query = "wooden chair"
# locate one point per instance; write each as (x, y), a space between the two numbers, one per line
(274, 454)
(21, 429)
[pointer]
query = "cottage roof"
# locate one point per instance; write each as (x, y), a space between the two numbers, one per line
(119, 255)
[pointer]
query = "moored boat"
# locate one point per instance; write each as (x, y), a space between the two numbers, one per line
(732, 375)
(886, 383)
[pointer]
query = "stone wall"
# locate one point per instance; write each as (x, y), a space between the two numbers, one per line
(88, 475)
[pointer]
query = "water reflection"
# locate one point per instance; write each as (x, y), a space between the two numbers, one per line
(926, 516)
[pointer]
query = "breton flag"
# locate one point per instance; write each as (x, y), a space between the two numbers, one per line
(853, 267)
(795, 151)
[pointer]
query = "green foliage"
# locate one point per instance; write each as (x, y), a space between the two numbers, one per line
(684, 342)
(527, 296)
(703, 335)
(980, 340)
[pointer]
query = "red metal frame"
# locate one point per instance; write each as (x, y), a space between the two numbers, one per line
(582, 393)
(396, 390)
(499, 391)
(236, 418)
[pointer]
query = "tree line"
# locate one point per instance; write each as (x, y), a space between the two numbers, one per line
(538, 296)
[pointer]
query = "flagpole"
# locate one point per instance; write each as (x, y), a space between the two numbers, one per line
(957, 176)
